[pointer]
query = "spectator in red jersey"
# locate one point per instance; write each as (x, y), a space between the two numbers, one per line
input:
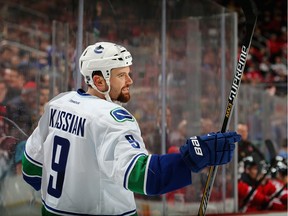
(254, 75)
(274, 45)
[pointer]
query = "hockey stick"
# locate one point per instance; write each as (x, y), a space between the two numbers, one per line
(250, 11)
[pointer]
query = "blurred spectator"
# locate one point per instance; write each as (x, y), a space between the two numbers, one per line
(45, 79)
(44, 94)
(254, 76)
(271, 89)
(18, 157)
(15, 79)
(279, 67)
(43, 98)
(3, 93)
(280, 71)
(265, 66)
(13, 191)
(4, 163)
(246, 147)
(21, 110)
(28, 71)
(3, 103)
(96, 26)
(7, 149)
(207, 125)
(6, 53)
(274, 45)
(179, 136)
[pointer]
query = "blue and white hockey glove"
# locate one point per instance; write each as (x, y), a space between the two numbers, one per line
(209, 150)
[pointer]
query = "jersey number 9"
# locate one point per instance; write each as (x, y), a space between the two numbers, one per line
(132, 141)
(59, 160)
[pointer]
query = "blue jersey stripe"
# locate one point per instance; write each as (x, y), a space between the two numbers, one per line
(34, 181)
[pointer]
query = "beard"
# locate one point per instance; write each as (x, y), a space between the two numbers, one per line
(123, 98)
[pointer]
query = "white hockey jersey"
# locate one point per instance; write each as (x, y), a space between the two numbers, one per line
(80, 145)
(87, 156)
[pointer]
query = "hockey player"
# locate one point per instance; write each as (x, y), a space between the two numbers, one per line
(276, 187)
(87, 156)
(251, 180)
(248, 182)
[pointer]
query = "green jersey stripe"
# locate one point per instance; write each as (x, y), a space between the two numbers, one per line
(29, 168)
(137, 176)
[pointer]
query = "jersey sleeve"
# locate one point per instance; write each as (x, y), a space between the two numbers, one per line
(124, 158)
(157, 174)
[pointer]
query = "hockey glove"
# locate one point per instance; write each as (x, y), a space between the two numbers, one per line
(209, 150)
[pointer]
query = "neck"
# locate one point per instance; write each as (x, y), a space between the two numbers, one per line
(93, 92)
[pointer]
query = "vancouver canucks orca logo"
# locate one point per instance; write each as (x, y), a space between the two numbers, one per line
(99, 49)
(121, 115)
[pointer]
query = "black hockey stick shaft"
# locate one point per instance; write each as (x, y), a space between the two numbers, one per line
(250, 11)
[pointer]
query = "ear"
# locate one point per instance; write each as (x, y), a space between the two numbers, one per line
(99, 82)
